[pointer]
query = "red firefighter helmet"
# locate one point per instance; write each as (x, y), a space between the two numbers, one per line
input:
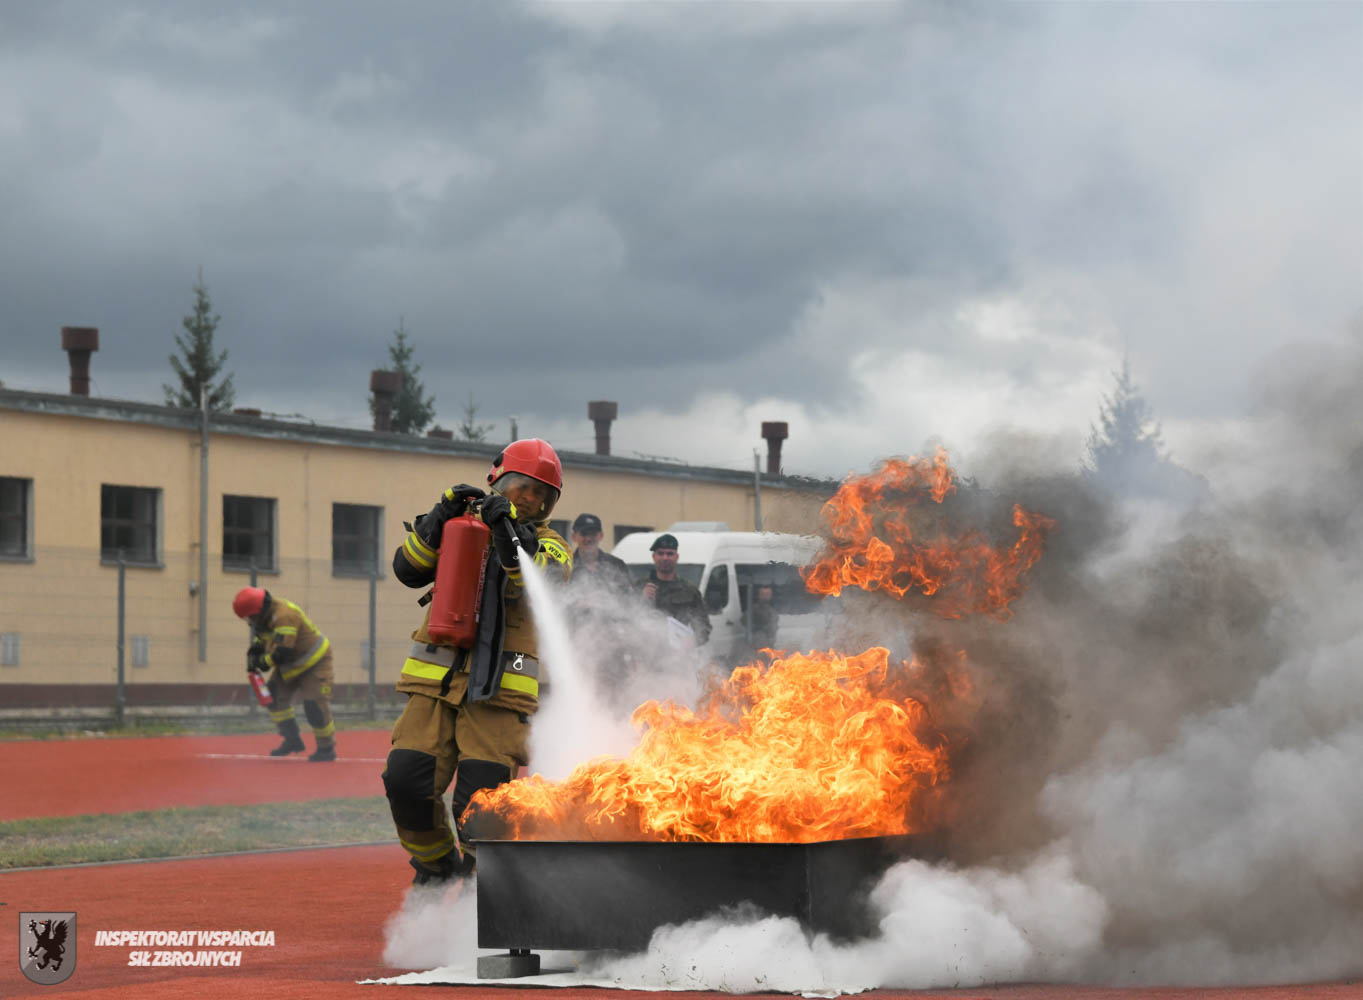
(531, 457)
(249, 601)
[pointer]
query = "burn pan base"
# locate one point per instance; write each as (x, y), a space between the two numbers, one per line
(612, 895)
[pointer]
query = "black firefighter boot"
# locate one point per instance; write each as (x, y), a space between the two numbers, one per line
(324, 751)
(293, 742)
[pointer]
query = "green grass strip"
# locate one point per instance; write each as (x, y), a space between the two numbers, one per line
(170, 833)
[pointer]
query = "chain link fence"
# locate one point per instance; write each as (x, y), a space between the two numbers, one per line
(84, 634)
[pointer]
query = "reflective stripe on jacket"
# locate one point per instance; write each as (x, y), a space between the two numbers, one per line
(430, 662)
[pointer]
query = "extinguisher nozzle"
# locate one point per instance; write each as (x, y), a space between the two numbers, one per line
(515, 541)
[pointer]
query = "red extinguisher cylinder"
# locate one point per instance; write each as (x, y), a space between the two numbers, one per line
(261, 689)
(459, 578)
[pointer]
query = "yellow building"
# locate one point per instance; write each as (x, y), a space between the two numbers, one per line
(317, 511)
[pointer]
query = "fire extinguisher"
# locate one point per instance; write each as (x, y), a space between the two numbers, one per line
(459, 577)
(261, 689)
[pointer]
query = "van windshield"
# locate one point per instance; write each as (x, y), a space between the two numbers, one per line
(690, 572)
(789, 595)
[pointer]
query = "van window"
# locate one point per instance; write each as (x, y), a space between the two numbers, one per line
(717, 589)
(789, 596)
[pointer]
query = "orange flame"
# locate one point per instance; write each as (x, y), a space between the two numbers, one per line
(875, 526)
(812, 747)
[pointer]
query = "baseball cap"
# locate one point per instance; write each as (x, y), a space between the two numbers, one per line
(587, 524)
(663, 541)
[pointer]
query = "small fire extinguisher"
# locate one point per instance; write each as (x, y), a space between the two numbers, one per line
(261, 689)
(459, 577)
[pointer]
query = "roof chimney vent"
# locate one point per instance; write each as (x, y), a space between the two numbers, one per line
(385, 386)
(78, 342)
(602, 412)
(775, 431)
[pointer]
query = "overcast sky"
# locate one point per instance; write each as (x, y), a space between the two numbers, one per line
(882, 223)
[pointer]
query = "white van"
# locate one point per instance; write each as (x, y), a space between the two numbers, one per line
(728, 567)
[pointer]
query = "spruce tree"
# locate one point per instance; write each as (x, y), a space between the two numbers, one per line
(469, 428)
(198, 365)
(1128, 439)
(1126, 455)
(413, 410)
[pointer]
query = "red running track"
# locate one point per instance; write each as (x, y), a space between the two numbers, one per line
(114, 774)
(328, 909)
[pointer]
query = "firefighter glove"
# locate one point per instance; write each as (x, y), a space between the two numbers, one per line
(497, 508)
(255, 660)
(452, 503)
(507, 550)
(456, 498)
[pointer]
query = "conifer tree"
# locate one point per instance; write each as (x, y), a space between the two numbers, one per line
(1127, 456)
(469, 428)
(413, 410)
(198, 366)
(1128, 438)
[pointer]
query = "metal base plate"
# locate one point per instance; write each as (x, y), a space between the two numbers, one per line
(508, 966)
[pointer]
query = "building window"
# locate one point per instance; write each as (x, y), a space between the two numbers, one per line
(9, 649)
(621, 530)
(355, 533)
(563, 528)
(141, 650)
(248, 528)
(16, 530)
(127, 523)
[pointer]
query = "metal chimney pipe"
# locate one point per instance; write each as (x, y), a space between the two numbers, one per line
(385, 386)
(78, 342)
(775, 431)
(602, 412)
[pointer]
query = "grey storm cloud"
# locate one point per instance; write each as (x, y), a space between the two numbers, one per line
(647, 201)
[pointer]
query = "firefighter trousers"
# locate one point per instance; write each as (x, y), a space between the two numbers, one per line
(434, 742)
(314, 687)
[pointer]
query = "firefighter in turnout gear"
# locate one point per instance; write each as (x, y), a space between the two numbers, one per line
(285, 643)
(467, 717)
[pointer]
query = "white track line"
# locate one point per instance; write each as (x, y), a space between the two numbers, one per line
(263, 756)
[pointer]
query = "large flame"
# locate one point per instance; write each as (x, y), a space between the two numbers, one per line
(885, 534)
(812, 747)
(816, 746)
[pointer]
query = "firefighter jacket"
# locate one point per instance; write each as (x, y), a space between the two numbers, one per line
(292, 643)
(443, 671)
(680, 600)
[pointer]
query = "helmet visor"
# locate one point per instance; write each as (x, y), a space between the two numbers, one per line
(534, 500)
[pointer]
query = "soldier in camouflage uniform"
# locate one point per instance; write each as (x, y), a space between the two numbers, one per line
(672, 595)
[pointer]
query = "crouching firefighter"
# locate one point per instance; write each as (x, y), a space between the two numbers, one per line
(471, 689)
(285, 643)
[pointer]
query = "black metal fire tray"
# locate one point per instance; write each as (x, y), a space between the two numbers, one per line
(611, 895)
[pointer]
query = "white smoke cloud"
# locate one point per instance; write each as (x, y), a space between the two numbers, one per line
(1170, 794)
(436, 926)
(938, 927)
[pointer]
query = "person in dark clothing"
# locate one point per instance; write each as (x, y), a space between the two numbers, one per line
(672, 595)
(764, 619)
(593, 568)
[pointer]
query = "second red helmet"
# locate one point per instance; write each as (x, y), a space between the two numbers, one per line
(249, 601)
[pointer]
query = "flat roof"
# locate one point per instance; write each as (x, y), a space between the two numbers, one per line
(271, 428)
